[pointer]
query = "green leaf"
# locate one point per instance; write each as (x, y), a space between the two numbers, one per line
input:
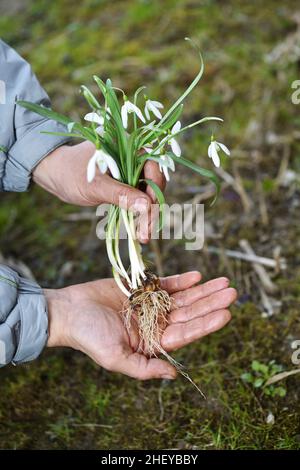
(189, 89)
(90, 98)
(201, 171)
(173, 118)
(258, 382)
(45, 112)
(3, 149)
(255, 366)
(161, 200)
(100, 84)
(259, 367)
(63, 134)
(247, 377)
(280, 391)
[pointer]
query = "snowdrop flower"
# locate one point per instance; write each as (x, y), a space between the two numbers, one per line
(148, 149)
(104, 162)
(172, 141)
(128, 108)
(94, 117)
(213, 149)
(153, 107)
(165, 163)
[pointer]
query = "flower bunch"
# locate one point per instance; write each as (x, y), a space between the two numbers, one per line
(126, 133)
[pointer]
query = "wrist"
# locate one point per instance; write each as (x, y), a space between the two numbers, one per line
(58, 318)
(47, 173)
(53, 172)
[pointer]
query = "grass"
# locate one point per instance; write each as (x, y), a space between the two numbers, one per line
(63, 400)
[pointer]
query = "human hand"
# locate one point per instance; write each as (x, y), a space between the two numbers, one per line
(87, 317)
(64, 174)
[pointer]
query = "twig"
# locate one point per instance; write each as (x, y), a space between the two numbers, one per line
(91, 425)
(269, 311)
(236, 183)
(284, 164)
(161, 404)
(262, 204)
(264, 277)
(253, 258)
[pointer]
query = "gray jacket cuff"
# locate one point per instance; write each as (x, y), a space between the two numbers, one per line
(22, 146)
(27, 152)
(23, 318)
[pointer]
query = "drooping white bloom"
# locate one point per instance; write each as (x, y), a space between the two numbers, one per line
(213, 149)
(165, 163)
(94, 117)
(153, 107)
(128, 108)
(147, 148)
(104, 162)
(172, 141)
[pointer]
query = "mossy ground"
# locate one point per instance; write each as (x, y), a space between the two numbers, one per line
(63, 400)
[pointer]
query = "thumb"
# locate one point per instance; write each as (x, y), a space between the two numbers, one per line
(140, 367)
(126, 197)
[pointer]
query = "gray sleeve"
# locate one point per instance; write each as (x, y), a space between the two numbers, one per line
(23, 318)
(22, 146)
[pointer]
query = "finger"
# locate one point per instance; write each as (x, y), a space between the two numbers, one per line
(189, 296)
(180, 281)
(126, 197)
(217, 301)
(140, 367)
(180, 334)
(152, 172)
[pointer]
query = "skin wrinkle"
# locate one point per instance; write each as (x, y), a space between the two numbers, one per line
(205, 305)
(200, 291)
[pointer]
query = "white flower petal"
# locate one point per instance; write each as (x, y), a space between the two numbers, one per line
(124, 115)
(214, 155)
(147, 112)
(102, 165)
(224, 148)
(133, 108)
(70, 126)
(94, 117)
(91, 168)
(113, 167)
(209, 150)
(176, 128)
(166, 173)
(154, 110)
(171, 164)
(157, 104)
(175, 147)
(100, 130)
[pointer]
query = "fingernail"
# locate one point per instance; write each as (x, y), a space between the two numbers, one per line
(140, 206)
(168, 377)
